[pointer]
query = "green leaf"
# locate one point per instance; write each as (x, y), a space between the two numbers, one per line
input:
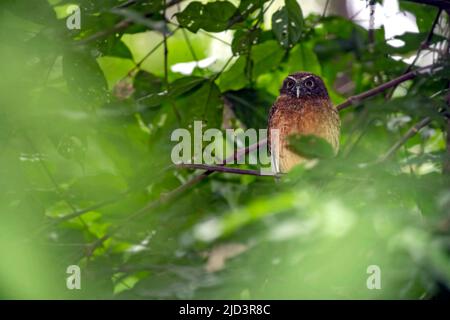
(243, 40)
(264, 58)
(120, 50)
(185, 84)
(247, 7)
(212, 17)
(311, 146)
(287, 24)
(303, 58)
(204, 104)
(251, 106)
(234, 78)
(147, 88)
(84, 76)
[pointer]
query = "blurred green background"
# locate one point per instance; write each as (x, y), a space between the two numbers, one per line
(85, 122)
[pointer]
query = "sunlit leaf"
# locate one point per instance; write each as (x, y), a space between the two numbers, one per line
(287, 23)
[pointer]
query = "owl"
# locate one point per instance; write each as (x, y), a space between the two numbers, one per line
(303, 107)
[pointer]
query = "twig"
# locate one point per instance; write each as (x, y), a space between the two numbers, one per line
(411, 132)
(381, 88)
(372, 25)
(325, 9)
(148, 54)
(121, 25)
(125, 4)
(221, 169)
(423, 46)
(166, 68)
(189, 44)
(202, 31)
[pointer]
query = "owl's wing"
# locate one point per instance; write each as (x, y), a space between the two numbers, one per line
(269, 123)
(273, 157)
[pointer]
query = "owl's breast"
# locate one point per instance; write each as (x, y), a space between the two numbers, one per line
(317, 117)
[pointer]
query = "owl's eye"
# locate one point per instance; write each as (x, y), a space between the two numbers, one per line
(290, 84)
(309, 83)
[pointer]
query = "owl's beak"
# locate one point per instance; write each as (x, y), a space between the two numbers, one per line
(297, 91)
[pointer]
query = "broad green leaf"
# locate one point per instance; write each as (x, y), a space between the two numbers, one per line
(243, 40)
(264, 58)
(303, 58)
(186, 84)
(120, 50)
(287, 24)
(212, 17)
(234, 78)
(148, 89)
(247, 7)
(84, 76)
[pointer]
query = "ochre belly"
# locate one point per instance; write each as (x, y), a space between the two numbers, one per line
(308, 120)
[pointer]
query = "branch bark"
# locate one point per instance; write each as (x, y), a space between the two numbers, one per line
(411, 132)
(425, 44)
(381, 88)
(121, 25)
(222, 169)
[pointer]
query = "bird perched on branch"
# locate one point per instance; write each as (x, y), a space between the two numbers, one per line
(303, 108)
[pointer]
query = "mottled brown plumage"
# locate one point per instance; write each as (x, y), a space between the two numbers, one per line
(304, 108)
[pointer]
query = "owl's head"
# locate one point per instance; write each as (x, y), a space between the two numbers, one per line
(304, 85)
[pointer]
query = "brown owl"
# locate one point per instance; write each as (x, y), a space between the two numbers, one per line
(303, 108)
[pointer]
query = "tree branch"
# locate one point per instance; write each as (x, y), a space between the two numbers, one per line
(381, 88)
(423, 46)
(121, 25)
(411, 132)
(221, 169)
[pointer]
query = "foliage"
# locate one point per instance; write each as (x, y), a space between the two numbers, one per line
(87, 178)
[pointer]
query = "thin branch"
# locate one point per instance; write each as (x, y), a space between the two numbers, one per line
(423, 46)
(217, 75)
(127, 4)
(381, 88)
(372, 25)
(166, 68)
(202, 31)
(189, 44)
(411, 132)
(324, 13)
(121, 25)
(148, 54)
(222, 169)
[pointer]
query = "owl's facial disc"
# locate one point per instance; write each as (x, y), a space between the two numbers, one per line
(304, 86)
